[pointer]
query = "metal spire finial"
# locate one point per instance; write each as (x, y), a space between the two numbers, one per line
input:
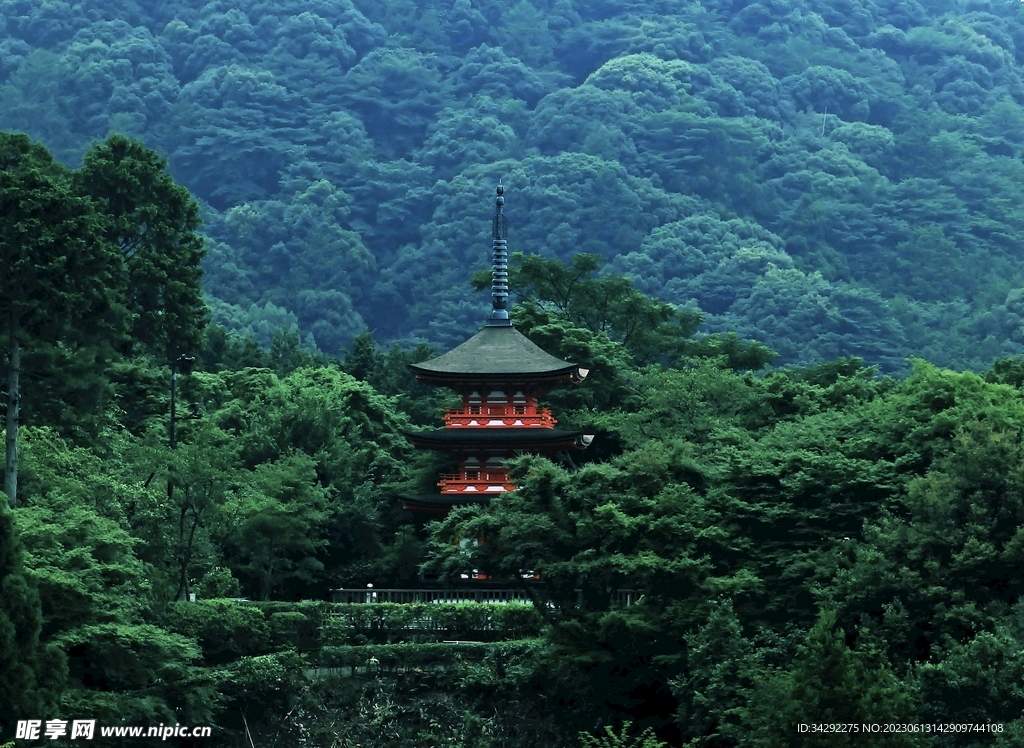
(499, 267)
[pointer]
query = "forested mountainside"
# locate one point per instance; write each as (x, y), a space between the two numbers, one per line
(829, 178)
(694, 186)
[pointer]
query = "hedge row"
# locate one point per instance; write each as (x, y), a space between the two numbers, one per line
(391, 622)
(411, 655)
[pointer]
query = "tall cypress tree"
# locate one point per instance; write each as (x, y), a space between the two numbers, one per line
(62, 278)
(153, 222)
(830, 683)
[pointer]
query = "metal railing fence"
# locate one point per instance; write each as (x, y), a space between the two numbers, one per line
(621, 598)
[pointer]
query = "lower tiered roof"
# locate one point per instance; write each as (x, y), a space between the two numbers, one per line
(494, 437)
(440, 503)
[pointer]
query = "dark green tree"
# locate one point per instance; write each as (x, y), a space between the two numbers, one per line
(830, 683)
(201, 476)
(98, 589)
(154, 223)
(279, 524)
(62, 279)
(641, 522)
(31, 672)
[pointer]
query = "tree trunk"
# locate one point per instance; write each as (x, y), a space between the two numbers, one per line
(186, 551)
(13, 403)
(188, 560)
(268, 578)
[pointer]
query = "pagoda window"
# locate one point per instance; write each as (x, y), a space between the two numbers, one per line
(471, 467)
(497, 396)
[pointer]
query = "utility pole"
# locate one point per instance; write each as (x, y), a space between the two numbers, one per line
(185, 364)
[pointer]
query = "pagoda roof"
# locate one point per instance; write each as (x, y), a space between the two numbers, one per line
(491, 437)
(495, 352)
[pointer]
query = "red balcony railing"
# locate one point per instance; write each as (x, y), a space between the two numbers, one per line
(487, 483)
(459, 418)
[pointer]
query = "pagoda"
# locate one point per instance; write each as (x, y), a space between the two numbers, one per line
(500, 375)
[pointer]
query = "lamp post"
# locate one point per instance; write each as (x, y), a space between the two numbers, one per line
(185, 364)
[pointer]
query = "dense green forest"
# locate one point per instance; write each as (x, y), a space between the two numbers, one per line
(783, 236)
(829, 178)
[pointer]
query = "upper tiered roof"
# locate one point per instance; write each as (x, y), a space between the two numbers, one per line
(494, 351)
(498, 350)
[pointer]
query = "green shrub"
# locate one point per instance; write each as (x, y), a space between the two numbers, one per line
(225, 629)
(292, 629)
(218, 583)
(610, 739)
(411, 655)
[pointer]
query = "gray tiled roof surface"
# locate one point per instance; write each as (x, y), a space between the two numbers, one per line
(495, 350)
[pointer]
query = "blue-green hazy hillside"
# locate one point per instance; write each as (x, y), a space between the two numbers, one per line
(830, 178)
